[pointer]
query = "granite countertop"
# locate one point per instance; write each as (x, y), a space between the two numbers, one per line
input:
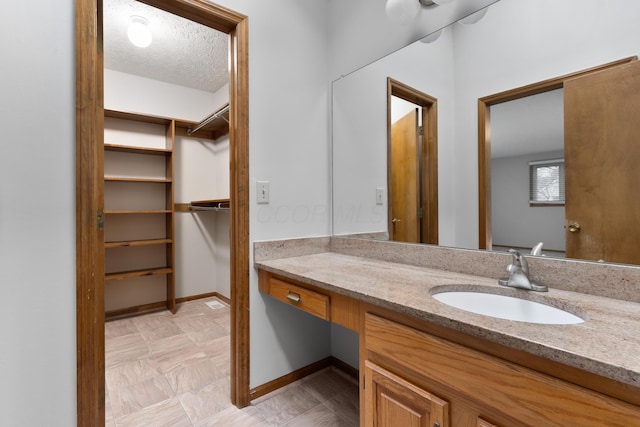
(607, 343)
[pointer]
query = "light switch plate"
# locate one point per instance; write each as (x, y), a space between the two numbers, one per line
(379, 196)
(262, 188)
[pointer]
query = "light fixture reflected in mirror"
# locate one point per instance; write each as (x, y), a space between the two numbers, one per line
(402, 12)
(431, 37)
(474, 17)
(139, 33)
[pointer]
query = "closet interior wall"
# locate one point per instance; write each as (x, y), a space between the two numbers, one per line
(200, 172)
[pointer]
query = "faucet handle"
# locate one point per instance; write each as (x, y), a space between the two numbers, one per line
(519, 262)
(517, 258)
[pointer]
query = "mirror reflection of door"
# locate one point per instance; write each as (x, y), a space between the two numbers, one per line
(603, 160)
(412, 165)
(594, 115)
(405, 204)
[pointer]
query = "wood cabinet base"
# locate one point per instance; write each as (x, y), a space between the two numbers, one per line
(480, 387)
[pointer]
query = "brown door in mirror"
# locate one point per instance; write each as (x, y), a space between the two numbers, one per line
(404, 185)
(602, 160)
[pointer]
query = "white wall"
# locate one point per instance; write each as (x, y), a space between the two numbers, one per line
(37, 214)
(202, 237)
(514, 222)
(158, 98)
(289, 66)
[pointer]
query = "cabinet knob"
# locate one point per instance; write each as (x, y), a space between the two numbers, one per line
(394, 220)
(574, 228)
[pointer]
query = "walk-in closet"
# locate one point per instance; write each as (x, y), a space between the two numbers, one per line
(166, 161)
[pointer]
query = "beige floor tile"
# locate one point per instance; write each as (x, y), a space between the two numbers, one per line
(170, 353)
(129, 373)
(217, 347)
(245, 417)
(118, 328)
(133, 398)
(284, 406)
(223, 364)
(165, 414)
(108, 413)
(208, 401)
(200, 307)
(157, 326)
(125, 348)
(195, 323)
(193, 376)
(169, 344)
(205, 335)
(157, 374)
(346, 405)
(319, 416)
(326, 385)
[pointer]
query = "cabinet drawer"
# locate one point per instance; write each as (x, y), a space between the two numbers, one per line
(312, 302)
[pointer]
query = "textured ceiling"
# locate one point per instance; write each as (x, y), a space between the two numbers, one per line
(182, 52)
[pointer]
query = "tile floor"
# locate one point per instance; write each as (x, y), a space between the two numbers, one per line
(173, 370)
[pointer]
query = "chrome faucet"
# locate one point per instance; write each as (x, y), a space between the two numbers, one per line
(519, 274)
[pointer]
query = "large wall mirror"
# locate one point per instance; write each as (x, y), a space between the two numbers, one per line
(515, 44)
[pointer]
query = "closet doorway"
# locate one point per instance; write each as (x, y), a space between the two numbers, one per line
(90, 262)
(412, 164)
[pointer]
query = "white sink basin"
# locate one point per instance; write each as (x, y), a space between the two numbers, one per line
(507, 307)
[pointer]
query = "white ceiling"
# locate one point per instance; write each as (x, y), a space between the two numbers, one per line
(182, 52)
(534, 124)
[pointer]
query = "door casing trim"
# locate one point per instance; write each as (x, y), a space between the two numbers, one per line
(90, 197)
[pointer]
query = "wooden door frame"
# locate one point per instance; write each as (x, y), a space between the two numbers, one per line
(484, 138)
(90, 197)
(429, 156)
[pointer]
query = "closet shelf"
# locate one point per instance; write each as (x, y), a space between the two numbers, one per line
(136, 243)
(120, 275)
(144, 118)
(138, 150)
(138, 189)
(151, 180)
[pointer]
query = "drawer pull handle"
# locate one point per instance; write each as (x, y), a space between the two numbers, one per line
(292, 296)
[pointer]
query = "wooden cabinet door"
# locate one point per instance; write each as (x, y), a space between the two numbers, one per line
(391, 401)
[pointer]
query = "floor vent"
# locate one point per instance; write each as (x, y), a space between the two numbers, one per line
(215, 305)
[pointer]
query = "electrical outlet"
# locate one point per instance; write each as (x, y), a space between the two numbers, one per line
(262, 188)
(379, 196)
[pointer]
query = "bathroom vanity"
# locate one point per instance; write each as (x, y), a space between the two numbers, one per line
(425, 363)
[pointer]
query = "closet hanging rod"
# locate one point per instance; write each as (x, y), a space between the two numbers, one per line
(212, 117)
(219, 207)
